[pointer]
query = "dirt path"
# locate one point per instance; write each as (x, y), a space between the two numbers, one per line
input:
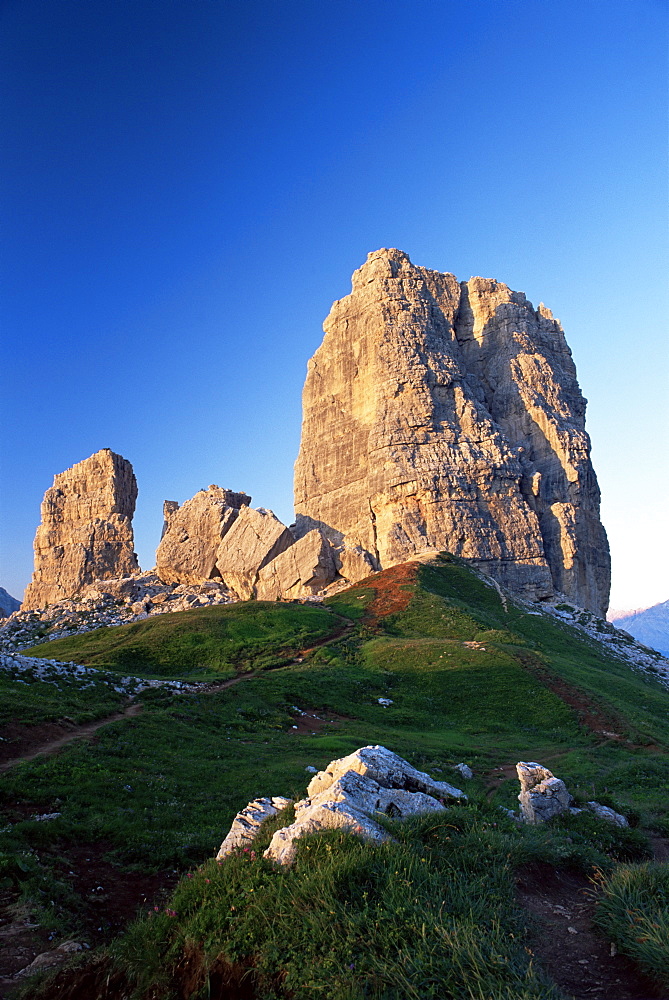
(48, 738)
(579, 959)
(53, 745)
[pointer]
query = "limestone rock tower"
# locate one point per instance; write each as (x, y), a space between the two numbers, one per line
(86, 530)
(445, 414)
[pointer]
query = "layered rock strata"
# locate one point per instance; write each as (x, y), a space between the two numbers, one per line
(445, 414)
(193, 532)
(86, 531)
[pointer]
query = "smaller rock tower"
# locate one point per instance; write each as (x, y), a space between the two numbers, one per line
(86, 529)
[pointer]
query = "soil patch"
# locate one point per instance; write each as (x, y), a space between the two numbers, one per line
(311, 723)
(565, 942)
(591, 714)
(110, 899)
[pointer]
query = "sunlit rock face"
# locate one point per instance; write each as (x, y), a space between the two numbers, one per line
(86, 530)
(445, 414)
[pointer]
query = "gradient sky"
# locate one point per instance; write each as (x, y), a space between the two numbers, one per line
(188, 184)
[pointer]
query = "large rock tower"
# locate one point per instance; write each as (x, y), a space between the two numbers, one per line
(445, 414)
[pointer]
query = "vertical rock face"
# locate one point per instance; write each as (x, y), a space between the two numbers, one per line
(441, 414)
(193, 532)
(86, 529)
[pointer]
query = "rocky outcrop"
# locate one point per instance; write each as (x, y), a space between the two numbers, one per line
(8, 604)
(445, 414)
(246, 824)
(255, 538)
(86, 530)
(543, 797)
(304, 569)
(352, 791)
(192, 534)
(348, 795)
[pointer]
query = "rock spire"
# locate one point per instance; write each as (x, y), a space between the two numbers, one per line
(445, 414)
(86, 530)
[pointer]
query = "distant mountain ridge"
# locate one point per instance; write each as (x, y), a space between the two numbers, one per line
(648, 625)
(8, 604)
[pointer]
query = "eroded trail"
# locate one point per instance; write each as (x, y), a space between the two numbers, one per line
(49, 738)
(80, 732)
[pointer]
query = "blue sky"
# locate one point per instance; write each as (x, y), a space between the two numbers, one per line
(188, 184)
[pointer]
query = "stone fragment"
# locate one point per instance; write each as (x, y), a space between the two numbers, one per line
(192, 534)
(464, 770)
(542, 795)
(49, 959)
(386, 768)
(447, 415)
(255, 538)
(247, 823)
(606, 813)
(305, 568)
(86, 530)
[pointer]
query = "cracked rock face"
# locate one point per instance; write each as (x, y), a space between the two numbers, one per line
(447, 415)
(192, 534)
(86, 530)
(255, 539)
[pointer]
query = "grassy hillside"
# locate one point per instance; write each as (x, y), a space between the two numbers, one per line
(471, 678)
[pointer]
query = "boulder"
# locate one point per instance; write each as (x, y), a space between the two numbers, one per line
(255, 539)
(352, 791)
(446, 415)
(86, 531)
(355, 563)
(386, 768)
(192, 534)
(542, 795)
(305, 568)
(607, 814)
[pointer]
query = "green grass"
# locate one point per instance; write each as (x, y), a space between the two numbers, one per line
(161, 789)
(634, 912)
(223, 639)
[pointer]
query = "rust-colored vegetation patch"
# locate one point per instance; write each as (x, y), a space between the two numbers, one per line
(393, 589)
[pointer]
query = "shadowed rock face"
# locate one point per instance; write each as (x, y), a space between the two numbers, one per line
(445, 414)
(86, 529)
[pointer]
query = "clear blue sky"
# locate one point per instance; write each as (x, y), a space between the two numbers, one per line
(188, 184)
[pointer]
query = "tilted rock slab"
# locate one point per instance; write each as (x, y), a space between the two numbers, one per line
(193, 532)
(351, 791)
(86, 530)
(305, 568)
(255, 538)
(445, 414)
(246, 824)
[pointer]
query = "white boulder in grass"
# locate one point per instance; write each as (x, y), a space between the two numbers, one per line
(247, 823)
(352, 790)
(386, 768)
(542, 795)
(605, 812)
